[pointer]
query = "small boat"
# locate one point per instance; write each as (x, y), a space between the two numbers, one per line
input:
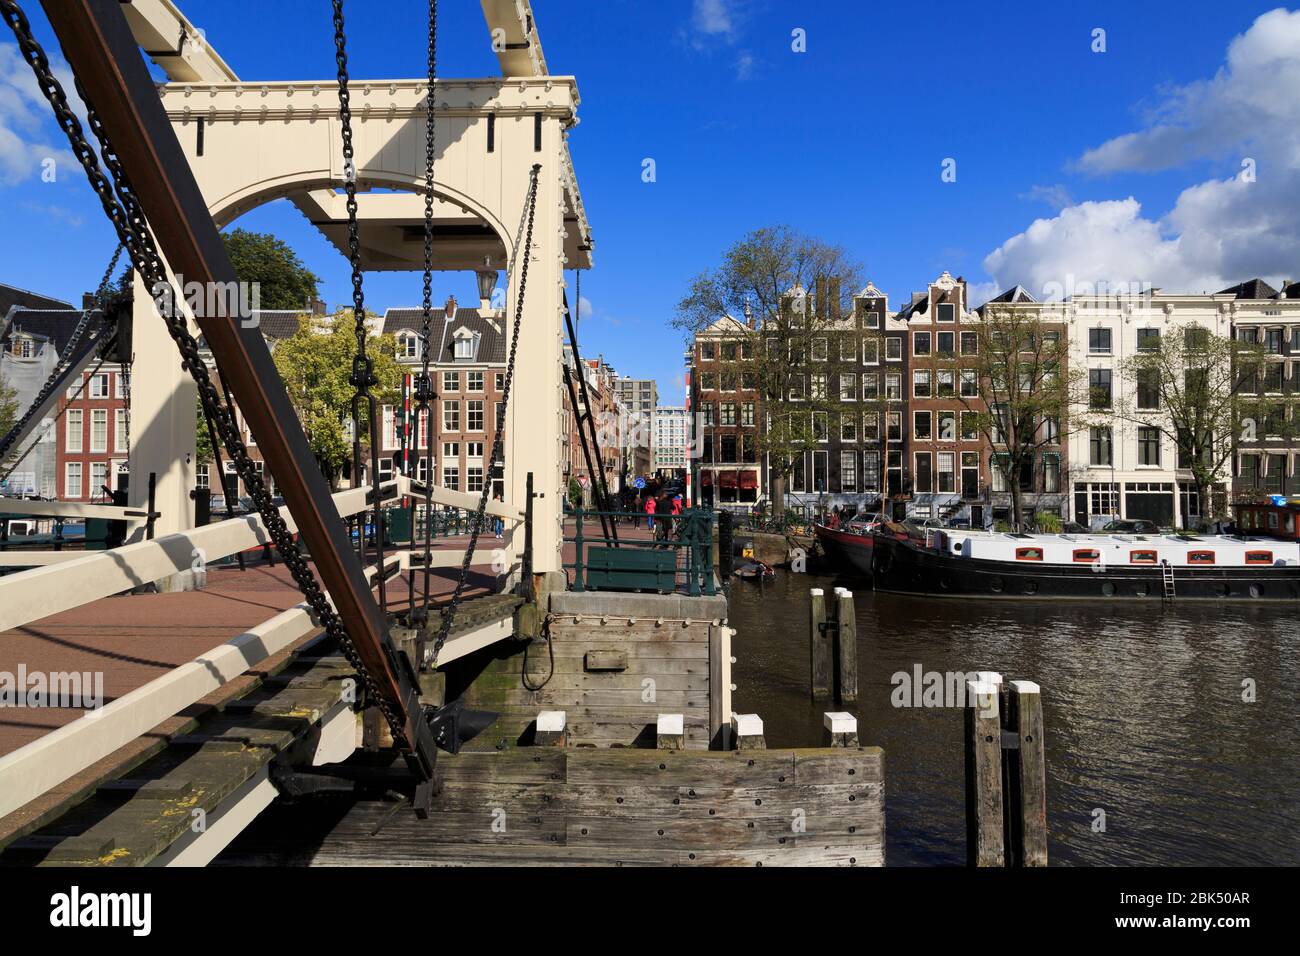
(850, 546)
(1096, 566)
(751, 569)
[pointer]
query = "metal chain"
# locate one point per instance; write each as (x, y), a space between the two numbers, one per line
(60, 366)
(132, 230)
(363, 376)
(523, 252)
(425, 395)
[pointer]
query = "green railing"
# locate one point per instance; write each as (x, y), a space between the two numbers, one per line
(680, 562)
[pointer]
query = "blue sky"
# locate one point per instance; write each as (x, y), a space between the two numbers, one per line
(1123, 165)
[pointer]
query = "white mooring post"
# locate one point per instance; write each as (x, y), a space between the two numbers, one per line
(839, 729)
(551, 729)
(670, 732)
(747, 731)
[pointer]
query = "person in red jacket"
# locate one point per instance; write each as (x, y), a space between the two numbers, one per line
(650, 512)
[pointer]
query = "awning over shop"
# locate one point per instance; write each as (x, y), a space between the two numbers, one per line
(727, 479)
(748, 479)
(706, 479)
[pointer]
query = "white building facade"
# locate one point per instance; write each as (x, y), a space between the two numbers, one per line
(1125, 465)
(671, 440)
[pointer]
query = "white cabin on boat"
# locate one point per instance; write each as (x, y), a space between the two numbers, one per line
(1178, 551)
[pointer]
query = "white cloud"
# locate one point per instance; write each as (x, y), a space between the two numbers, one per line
(1058, 197)
(1219, 232)
(27, 129)
(714, 17)
(744, 66)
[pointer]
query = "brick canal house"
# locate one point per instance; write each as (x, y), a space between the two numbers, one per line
(727, 414)
(948, 456)
(1268, 456)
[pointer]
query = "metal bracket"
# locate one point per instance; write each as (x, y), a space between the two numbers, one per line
(1010, 740)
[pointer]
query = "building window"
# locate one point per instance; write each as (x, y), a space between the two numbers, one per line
(99, 430)
(73, 433)
(894, 387)
(848, 471)
(947, 312)
(451, 381)
(921, 422)
(969, 383)
(870, 386)
(451, 416)
(848, 387)
(969, 426)
(1148, 389)
(474, 478)
(920, 343)
(710, 413)
(1051, 473)
(871, 426)
(728, 413)
(947, 472)
(1099, 447)
(473, 381)
(1099, 390)
(1148, 446)
(474, 416)
(818, 386)
(970, 475)
(119, 430)
(947, 426)
(1148, 340)
(970, 343)
(451, 477)
(944, 341)
(747, 414)
(99, 385)
(464, 348)
(871, 320)
(849, 428)
(819, 350)
(202, 478)
(943, 379)
(72, 479)
(708, 350)
(1099, 341)
(409, 345)
(870, 352)
(848, 349)
(894, 426)
(820, 430)
(921, 383)
(923, 479)
(894, 349)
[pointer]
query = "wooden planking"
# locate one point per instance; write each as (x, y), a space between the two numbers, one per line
(530, 807)
(606, 708)
(132, 822)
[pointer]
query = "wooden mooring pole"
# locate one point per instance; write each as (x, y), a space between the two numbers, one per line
(1006, 779)
(846, 647)
(984, 823)
(819, 645)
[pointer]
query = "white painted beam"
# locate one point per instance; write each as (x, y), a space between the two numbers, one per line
(31, 595)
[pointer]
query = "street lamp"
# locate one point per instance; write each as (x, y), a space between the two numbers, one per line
(487, 281)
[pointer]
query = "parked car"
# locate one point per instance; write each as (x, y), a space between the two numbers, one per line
(1138, 526)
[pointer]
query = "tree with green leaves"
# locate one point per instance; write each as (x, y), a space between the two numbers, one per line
(9, 409)
(1018, 392)
(1205, 393)
(269, 265)
(791, 362)
(315, 363)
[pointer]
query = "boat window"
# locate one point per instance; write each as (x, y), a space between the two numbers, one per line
(1029, 554)
(1259, 557)
(1087, 555)
(1200, 557)
(1141, 557)
(1272, 521)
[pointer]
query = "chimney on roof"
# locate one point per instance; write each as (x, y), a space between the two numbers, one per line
(450, 307)
(87, 300)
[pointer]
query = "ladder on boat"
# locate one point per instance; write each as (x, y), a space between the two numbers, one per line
(1167, 573)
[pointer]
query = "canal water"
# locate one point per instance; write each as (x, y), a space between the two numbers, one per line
(1143, 708)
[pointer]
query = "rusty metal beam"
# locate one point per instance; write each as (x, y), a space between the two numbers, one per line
(103, 54)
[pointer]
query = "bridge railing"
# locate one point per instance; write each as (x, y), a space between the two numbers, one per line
(27, 596)
(679, 558)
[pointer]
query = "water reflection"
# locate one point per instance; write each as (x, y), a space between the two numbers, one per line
(1143, 708)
